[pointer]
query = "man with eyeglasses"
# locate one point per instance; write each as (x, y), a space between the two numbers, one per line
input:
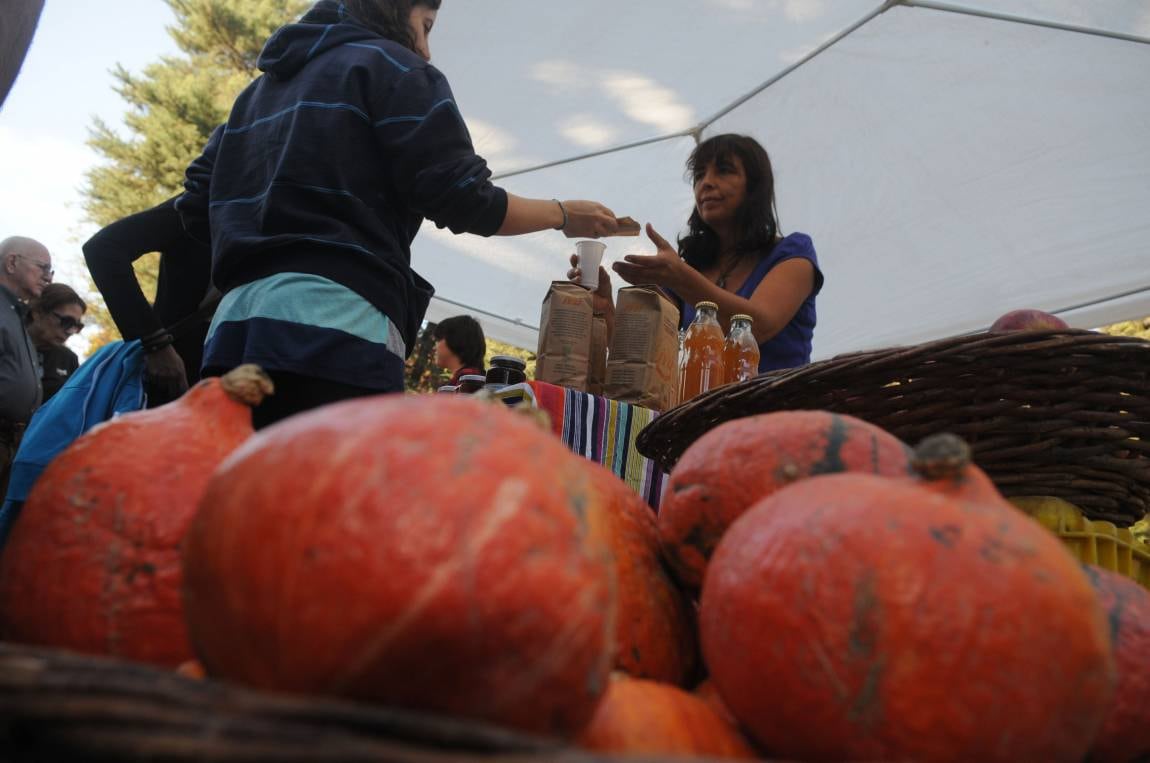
(25, 269)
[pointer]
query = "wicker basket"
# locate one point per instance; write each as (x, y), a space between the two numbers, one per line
(1061, 413)
(62, 707)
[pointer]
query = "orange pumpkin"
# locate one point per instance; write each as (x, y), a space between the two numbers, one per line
(421, 552)
(856, 617)
(639, 716)
(707, 692)
(1125, 734)
(944, 464)
(93, 564)
(191, 669)
(655, 631)
(737, 463)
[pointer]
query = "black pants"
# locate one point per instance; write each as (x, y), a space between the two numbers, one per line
(9, 444)
(295, 393)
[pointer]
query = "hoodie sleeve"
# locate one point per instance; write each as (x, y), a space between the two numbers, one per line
(431, 159)
(192, 205)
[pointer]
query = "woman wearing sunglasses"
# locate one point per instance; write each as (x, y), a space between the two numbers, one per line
(55, 315)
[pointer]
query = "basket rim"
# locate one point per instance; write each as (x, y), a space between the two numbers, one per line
(660, 443)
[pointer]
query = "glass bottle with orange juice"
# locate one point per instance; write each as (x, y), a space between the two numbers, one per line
(701, 365)
(740, 351)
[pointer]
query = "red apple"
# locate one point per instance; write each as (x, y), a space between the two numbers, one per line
(1028, 320)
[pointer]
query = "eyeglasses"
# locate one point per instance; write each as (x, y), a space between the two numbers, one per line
(45, 268)
(69, 324)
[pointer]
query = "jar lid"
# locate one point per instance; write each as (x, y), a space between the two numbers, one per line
(705, 303)
(509, 361)
(742, 317)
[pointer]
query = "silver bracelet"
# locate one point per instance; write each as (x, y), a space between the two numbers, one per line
(564, 211)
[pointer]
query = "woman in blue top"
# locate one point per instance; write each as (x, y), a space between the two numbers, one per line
(734, 254)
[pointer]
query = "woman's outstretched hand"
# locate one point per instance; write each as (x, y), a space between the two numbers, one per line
(663, 268)
(589, 219)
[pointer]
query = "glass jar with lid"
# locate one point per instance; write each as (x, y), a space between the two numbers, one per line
(469, 384)
(507, 369)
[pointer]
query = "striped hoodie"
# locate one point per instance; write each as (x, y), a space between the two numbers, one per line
(331, 160)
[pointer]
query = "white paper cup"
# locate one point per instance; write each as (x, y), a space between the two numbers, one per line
(590, 255)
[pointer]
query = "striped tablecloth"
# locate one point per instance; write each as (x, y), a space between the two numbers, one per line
(604, 431)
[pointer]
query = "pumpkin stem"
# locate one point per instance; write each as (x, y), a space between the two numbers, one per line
(247, 384)
(941, 456)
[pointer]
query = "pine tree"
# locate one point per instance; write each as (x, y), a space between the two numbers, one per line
(174, 105)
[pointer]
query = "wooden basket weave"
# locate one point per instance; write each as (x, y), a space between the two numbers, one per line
(62, 707)
(1063, 413)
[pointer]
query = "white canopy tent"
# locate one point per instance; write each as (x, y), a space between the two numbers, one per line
(951, 161)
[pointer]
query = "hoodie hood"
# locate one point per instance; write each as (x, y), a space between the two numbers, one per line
(327, 25)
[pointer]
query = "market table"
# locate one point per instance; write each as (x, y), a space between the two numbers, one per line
(604, 431)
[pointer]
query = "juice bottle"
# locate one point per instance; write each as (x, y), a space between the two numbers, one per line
(740, 350)
(701, 366)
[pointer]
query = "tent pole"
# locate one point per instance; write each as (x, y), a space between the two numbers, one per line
(602, 152)
(952, 8)
(887, 5)
(480, 311)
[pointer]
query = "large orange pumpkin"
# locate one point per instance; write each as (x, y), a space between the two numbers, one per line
(430, 553)
(93, 564)
(639, 716)
(1125, 734)
(737, 463)
(856, 617)
(943, 463)
(655, 632)
(707, 692)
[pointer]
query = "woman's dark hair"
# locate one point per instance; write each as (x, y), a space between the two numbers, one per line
(388, 18)
(464, 337)
(55, 296)
(757, 219)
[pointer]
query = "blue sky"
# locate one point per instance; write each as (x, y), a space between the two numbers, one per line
(44, 123)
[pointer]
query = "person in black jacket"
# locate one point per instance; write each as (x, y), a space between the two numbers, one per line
(173, 362)
(53, 317)
(314, 189)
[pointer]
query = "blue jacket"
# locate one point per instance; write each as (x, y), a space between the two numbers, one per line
(108, 383)
(331, 160)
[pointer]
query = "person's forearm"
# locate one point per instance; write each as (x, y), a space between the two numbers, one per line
(122, 295)
(530, 215)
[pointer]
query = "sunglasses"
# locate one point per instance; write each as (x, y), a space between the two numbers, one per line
(45, 268)
(69, 324)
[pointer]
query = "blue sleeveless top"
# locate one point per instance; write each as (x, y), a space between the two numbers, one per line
(791, 347)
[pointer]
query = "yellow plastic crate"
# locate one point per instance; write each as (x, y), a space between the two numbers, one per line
(1117, 549)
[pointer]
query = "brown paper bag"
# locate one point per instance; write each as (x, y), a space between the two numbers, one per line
(643, 365)
(597, 371)
(565, 336)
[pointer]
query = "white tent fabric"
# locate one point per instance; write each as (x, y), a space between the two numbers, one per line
(950, 160)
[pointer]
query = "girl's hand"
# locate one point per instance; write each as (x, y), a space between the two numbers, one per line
(663, 268)
(603, 296)
(588, 219)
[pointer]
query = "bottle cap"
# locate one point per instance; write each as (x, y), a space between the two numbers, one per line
(742, 317)
(705, 303)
